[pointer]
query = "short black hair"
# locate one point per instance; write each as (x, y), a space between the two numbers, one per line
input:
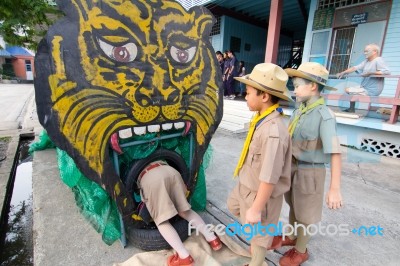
(274, 99)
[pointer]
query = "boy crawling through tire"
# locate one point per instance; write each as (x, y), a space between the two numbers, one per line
(163, 191)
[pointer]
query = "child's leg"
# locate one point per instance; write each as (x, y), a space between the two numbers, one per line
(197, 221)
(302, 238)
(292, 216)
(257, 255)
(171, 236)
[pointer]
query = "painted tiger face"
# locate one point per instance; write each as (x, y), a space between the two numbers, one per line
(114, 65)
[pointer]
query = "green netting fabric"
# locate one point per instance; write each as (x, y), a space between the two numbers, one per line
(43, 143)
(93, 201)
(95, 204)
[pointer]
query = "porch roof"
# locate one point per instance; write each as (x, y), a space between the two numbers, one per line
(4, 53)
(17, 50)
(294, 17)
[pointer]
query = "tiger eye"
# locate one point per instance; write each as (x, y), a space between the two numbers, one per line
(121, 54)
(183, 56)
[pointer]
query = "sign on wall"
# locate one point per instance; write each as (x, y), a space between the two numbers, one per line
(359, 18)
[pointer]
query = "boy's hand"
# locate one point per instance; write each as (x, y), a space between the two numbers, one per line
(253, 216)
(334, 199)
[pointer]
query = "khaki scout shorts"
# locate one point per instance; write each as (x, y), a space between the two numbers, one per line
(241, 199)
(306, 194)
(164, 193)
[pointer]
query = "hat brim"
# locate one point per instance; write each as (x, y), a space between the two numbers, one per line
(295, 73)
(284, 96)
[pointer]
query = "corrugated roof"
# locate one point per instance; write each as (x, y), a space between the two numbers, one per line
(17, 50)
(4, 53)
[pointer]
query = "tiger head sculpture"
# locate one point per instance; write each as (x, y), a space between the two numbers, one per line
(111, 65)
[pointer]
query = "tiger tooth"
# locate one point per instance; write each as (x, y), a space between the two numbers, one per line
(114, 143)
(139, 130)
(167, 126)
(125, 133)
(179, 125)
(153, 128)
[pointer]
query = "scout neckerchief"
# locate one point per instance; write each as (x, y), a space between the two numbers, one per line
(254, 122)
(302, 110)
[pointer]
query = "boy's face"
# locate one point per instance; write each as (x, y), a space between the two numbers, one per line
(303, 89)
(254, 101)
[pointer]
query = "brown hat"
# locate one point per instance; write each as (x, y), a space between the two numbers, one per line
(270, 78)
(311, 71)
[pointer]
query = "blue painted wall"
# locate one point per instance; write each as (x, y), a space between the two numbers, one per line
(247, 33)
(255, 36)
(391, 48)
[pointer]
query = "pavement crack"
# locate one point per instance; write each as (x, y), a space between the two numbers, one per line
(361, 173)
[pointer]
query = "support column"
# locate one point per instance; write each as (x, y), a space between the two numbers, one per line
(274, 29)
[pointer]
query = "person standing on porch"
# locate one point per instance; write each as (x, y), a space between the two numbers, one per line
(225, 74)
(242, 73)
(230, 73)
(371, 66)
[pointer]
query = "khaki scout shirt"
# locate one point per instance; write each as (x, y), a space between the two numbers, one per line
(269, 156)
(315, 137)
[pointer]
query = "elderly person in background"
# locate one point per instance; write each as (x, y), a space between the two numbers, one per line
(373, 65)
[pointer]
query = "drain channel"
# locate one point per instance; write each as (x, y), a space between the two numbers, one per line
(16, 246)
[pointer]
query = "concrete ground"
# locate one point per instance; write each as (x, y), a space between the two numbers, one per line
(370, 188)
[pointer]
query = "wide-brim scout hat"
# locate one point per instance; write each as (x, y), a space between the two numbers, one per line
(312, 71)
(270, 78)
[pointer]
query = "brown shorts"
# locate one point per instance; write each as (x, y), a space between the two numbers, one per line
(241, 199)
(306, 194)
(164, 193)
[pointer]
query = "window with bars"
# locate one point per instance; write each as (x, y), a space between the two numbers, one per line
(341, 50)
(216, 29)
(339, 3)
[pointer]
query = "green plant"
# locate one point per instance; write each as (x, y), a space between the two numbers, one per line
(8, 71)
(5, 139)
(25, 22)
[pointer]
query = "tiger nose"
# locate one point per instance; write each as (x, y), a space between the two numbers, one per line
(170, 96)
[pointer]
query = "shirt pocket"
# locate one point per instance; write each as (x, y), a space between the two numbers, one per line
(310, 141)
(255, 155)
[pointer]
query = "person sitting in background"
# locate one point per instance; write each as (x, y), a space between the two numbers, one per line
(373, 65)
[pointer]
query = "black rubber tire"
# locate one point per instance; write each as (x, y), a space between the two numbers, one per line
(139, 234)
(172, 158)
(151, 239)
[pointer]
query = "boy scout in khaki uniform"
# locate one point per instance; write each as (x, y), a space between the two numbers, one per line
(314, 143)
(264, 165)
(163, 191)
